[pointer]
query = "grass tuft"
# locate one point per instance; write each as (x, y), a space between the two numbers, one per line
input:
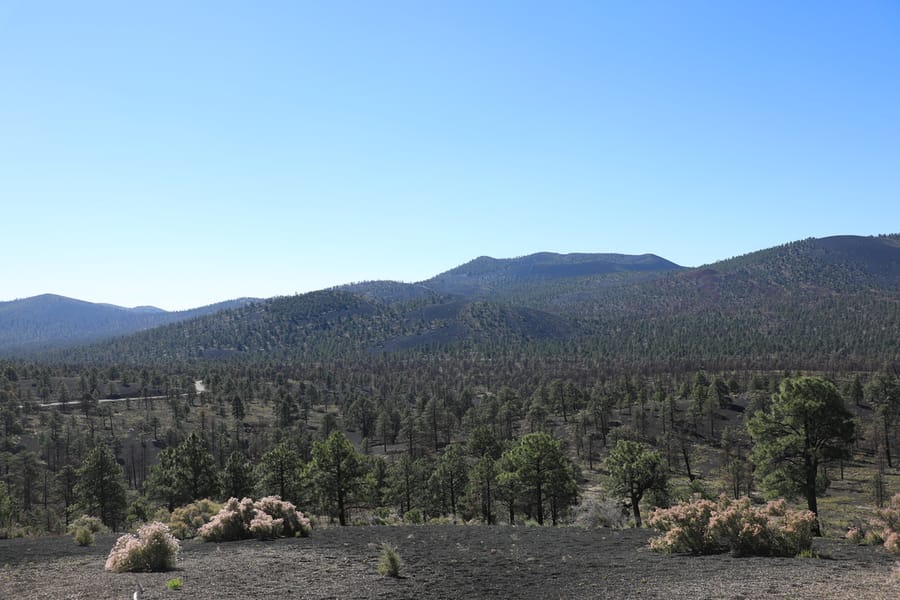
(389, 562)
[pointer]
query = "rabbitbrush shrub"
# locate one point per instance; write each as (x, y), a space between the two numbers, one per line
(884, 528)
(186, 520)
(293, 522)
(83, 536)
(154, 548)
(602, 513)
(267, 518)
(92, 524)
(83, 529)
(736, 526)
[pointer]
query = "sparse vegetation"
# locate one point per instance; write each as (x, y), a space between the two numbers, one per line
(389, 561)
(174, 584)
(83, 536)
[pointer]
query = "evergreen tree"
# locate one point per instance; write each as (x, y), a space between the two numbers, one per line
(806, 426)
(338, 470)
(633, 471)
(279, 472)
(198, 469)
(450, 477)
(237, 479)
(542, 471)
(101, 486)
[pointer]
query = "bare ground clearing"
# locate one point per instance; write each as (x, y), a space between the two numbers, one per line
(446, 562)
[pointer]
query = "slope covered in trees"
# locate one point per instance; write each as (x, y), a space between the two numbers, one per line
(824, 304)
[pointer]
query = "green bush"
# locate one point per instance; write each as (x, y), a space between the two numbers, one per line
(186, 520)
(414, 516)
(92, 524)
(83, 536)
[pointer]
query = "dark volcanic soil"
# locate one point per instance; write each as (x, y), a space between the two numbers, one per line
(452, 562)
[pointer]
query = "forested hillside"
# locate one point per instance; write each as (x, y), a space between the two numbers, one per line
(824, 304)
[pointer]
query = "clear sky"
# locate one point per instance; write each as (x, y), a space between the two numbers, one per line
(181, 153)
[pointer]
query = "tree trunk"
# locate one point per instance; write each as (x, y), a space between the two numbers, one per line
(687, 462)
(887, 442)
(636, 509)
(811, 501)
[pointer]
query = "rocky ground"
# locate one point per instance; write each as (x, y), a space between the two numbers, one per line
(452, 562)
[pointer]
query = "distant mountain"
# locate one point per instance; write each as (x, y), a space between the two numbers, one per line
(390, 292)
(50, 321)
(830, 303)
(508, 278)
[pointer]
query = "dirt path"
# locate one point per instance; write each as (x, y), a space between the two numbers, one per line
(447, 562)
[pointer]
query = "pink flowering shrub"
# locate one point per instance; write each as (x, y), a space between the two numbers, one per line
(154, 548)
(892, 543)
(856, 535)
(884, 528)
(267, 518)
(264, 527)
(687, 528)
(295, 523)
(887, 523)
(709, 527)
(231, 523)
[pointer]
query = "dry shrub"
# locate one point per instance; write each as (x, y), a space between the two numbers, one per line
(602, 513)
(856, 535)
(885, 526)
(154, 548)
(92, 524)
(687, 528)
(264, 527)
(294, 523)
(185, 521)
(736, 526)
(83, 536)
(267, 518)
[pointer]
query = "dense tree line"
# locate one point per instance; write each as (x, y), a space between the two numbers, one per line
(427, 438)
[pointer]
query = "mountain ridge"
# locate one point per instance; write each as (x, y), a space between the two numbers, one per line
(814, 300)
(49, 321)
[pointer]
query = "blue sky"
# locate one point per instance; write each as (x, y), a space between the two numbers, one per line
(181, 153)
